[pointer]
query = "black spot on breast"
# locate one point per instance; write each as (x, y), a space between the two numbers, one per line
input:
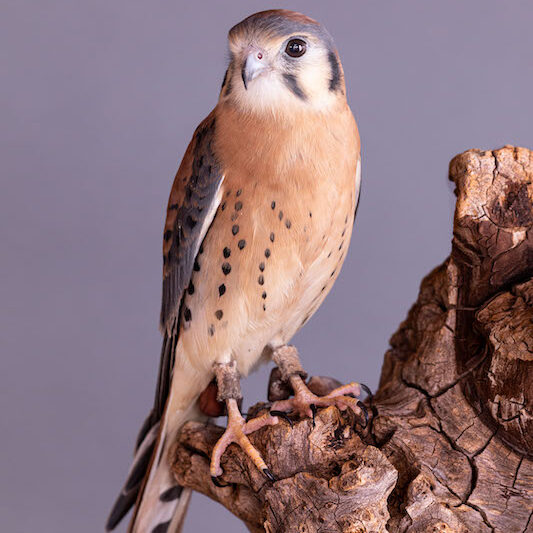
(190, 288)
(343, 232)
(264, 295)
(235, 229)
(239, 192)
(211, 330)
(261, 280)
(272, 237)
(223, 206)
(333, 273)
(340, 247)
(280, 215)
(310, 214)
(221, 289)
(329, 255)
(273, 205)
(187, 315)
(238, 206)
(219, 314)
(267, 253)
(264, 307)
(261, 266)
(288, 224)
(241, 244)
(226, 252)
(226, 268)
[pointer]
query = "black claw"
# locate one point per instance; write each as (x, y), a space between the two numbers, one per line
(269, 475)
(283, 415)
(216, 480)
(363, 408)
(369, 394)
(314, 411)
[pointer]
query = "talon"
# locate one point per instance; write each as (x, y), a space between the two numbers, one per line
(363, 408)
(283, 415)
(269, 475)
(369, 394)
(314, 411)
(216, 481)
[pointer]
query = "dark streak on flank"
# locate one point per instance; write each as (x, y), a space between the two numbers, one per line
(273, 205)
(241, 244)
(162, 527)
(187, 315)
(292, 84)
(190, 288)
(335, 81)
(171, 494)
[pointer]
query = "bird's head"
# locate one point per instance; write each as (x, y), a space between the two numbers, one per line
(282, 60)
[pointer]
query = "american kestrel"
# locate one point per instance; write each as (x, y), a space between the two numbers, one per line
(258, 223)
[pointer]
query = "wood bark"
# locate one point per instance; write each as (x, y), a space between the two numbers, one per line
(449, 443)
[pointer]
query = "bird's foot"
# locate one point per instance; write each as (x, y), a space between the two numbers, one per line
(306, 403)
(236, 432)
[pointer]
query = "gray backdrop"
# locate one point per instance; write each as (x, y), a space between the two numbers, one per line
(99, 99)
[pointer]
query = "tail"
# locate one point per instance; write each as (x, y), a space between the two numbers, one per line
(160, 503)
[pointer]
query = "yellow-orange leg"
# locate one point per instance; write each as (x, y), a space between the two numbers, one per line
(236, 432)
(305, 402)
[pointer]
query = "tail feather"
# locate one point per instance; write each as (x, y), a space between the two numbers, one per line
(129, 493)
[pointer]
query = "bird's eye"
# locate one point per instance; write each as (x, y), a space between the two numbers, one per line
(296, 48)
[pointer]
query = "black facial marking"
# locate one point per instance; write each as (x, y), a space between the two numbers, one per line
(335, 81)
(288, 224)
(187, 315)
(267, 253)
(238, 206)
(272, 237)
(221, 289)
(241, 244)
(262, 266)
(190, 288)
(273, 205)
(226, 252)
(226, 268)
(219, 314)
(235, 229)
(264, 295)
(225, 79)
(261, 280)
(292, 84)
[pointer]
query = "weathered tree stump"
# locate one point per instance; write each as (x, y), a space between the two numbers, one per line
(449, 443)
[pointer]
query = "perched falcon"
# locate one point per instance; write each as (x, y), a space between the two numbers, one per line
(258, 223)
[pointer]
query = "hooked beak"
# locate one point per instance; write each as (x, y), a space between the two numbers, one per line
(253, 66)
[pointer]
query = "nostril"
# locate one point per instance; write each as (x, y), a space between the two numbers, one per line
(259, 55)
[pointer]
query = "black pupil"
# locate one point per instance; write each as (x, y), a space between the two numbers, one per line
(295, 48)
